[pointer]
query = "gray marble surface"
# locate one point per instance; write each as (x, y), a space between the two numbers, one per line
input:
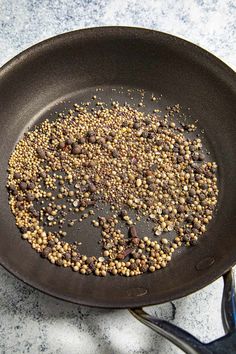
(31, 322)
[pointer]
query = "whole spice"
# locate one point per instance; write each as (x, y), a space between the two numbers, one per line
(121, 157)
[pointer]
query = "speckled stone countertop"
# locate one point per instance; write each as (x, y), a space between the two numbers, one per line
(31, 322)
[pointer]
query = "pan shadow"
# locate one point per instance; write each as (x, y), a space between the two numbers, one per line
(33, 322)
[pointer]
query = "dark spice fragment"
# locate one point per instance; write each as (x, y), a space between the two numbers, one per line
(76, 258)
(31, 185)
(201, 156)
(189, 218)
(115, 153)
(136, 125)
(76, 150)
(151, 135)
(23, 229)
(135, 241)
(59, 262)
(133, 266)
(46, 252)
(61, 145)
(143, 268)
(144, 134)
(192, 192)
(42, 174)
(92, 188)
(189, 200)
(68, 141)
(20, 198)
(67, 256)
(133, 231)
(41, 153)
(180, 209)
(30, 197)
(92, 139)
(23, 185)
(81, 140)
(127, 252)
(90, 133)
(17, 175)
(193, 242)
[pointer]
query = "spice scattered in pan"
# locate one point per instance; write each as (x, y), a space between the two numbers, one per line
(118, 156)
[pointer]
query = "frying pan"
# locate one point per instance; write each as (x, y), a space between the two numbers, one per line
(68, 68)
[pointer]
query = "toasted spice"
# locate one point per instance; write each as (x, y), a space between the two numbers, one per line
(121, 157)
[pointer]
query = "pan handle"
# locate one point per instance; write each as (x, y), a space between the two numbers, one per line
(228, 305)
(190, 344)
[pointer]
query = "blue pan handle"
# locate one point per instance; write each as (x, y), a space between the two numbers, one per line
(190, 344)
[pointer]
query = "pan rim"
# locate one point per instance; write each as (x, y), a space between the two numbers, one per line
(122, 30)
(43, 43)
(103, 305)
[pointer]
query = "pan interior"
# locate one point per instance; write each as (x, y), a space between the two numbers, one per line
(84, 232)
(69, 69)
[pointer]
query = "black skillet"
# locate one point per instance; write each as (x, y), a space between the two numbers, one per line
(68, 68)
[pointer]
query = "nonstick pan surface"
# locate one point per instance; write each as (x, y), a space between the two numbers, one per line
(68, 68)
